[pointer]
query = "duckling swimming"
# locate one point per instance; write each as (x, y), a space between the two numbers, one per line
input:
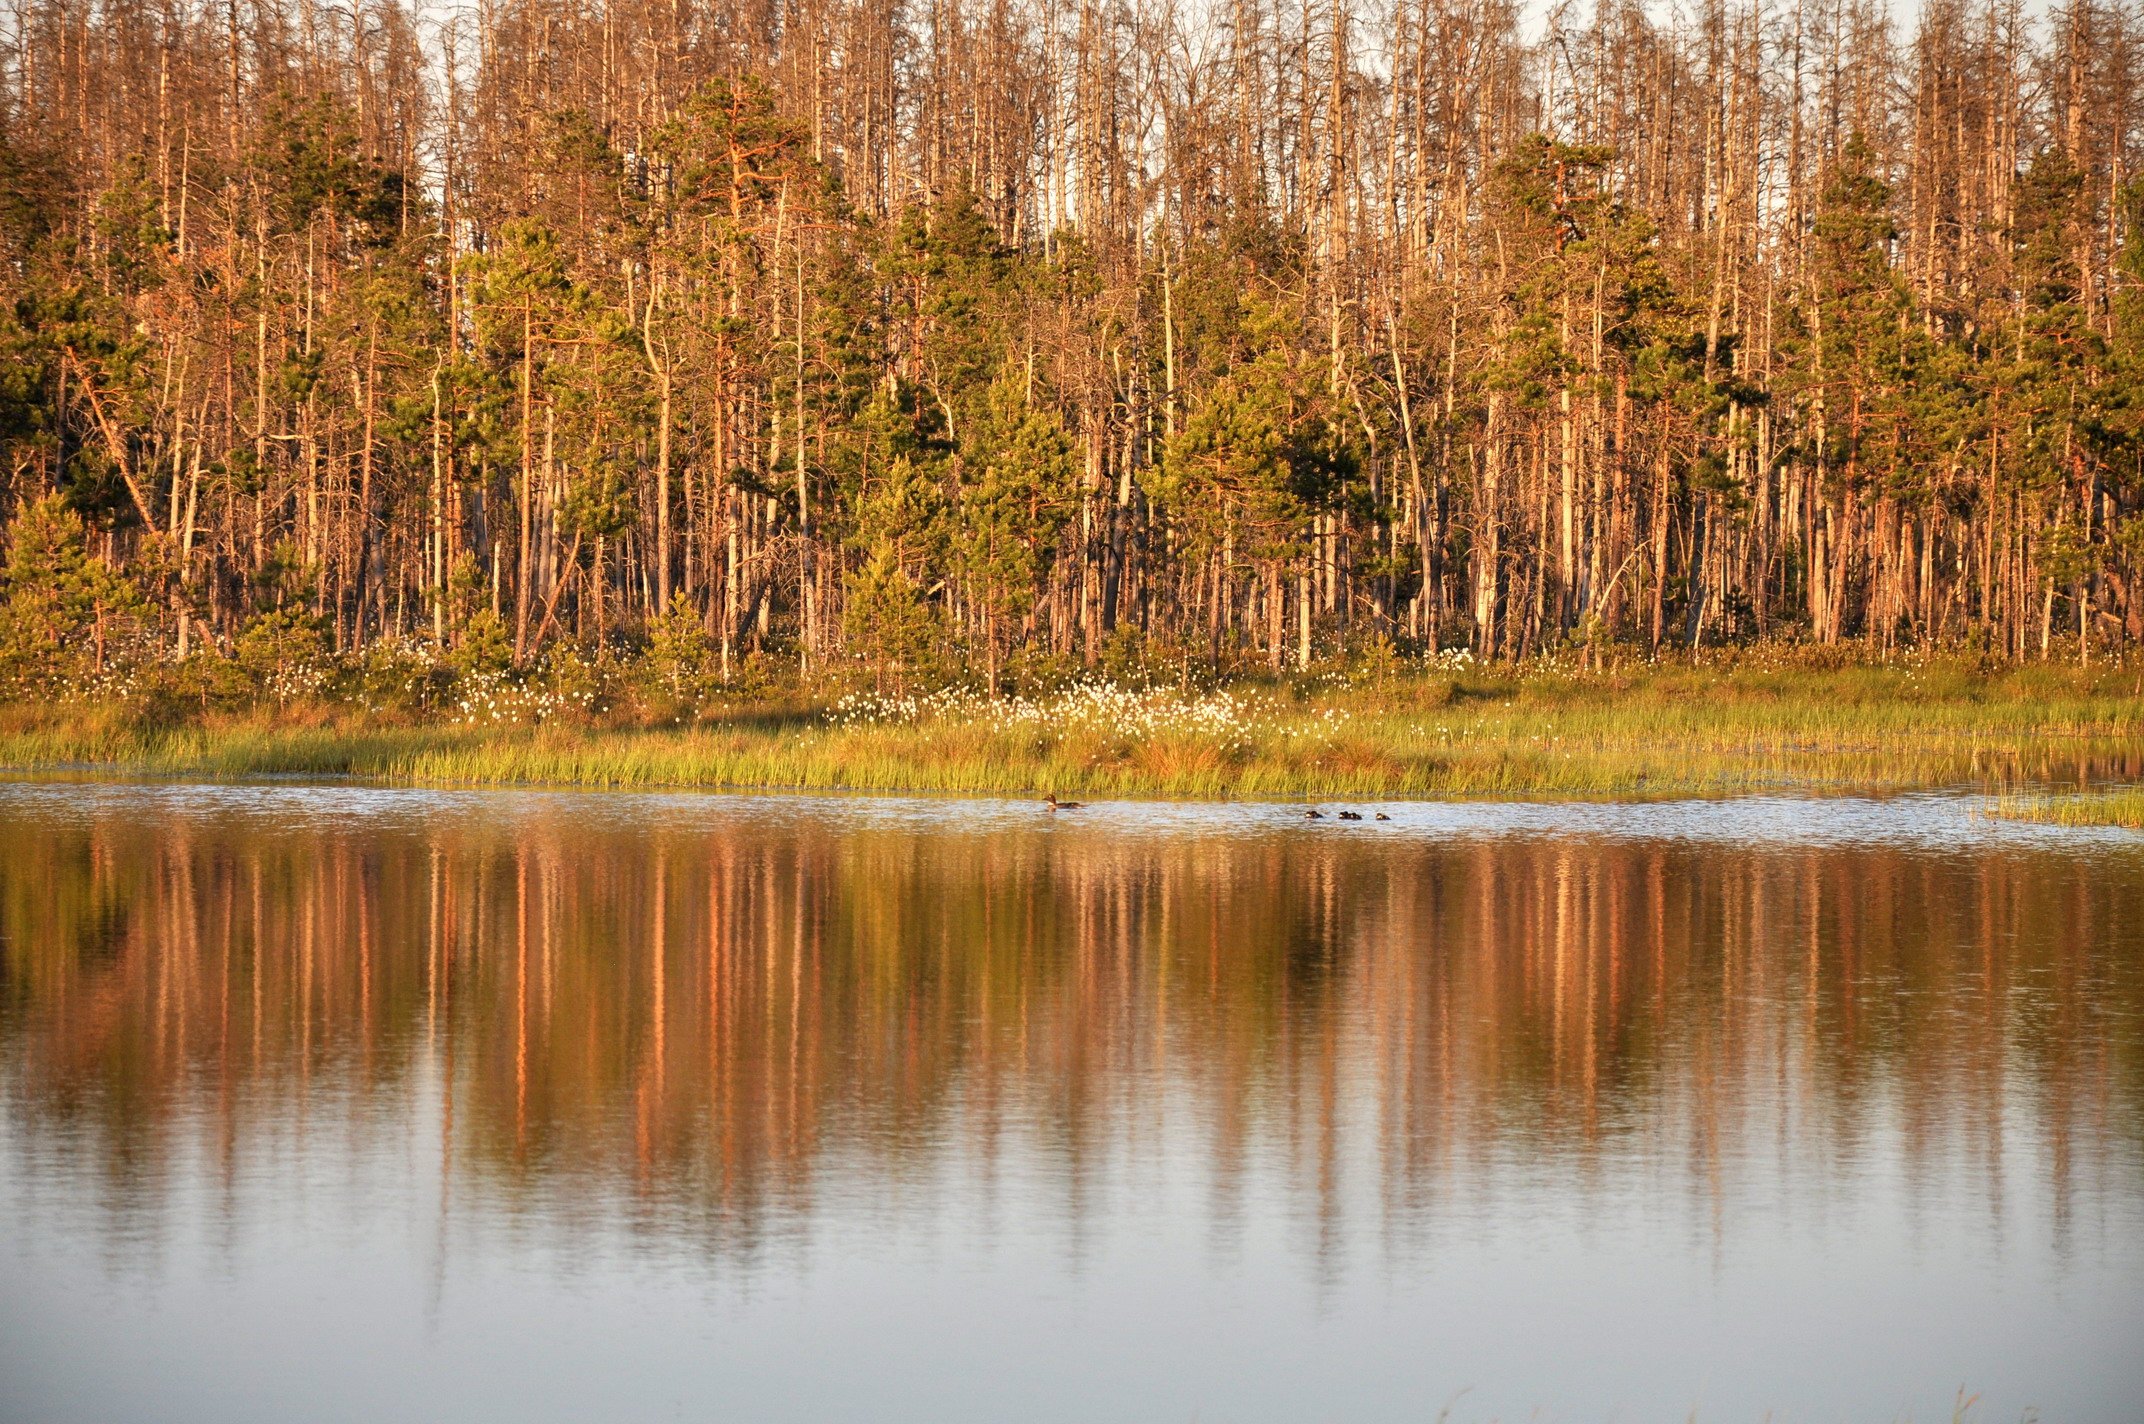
(1313, 814)
(1351, 815)
(1054, 804)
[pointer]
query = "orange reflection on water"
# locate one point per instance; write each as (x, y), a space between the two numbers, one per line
(700, 1018)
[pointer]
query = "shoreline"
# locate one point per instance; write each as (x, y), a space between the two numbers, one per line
(2113, 809)
(1653, 734)
(211, 771)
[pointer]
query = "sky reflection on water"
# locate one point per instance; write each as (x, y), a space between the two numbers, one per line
(347, 1102)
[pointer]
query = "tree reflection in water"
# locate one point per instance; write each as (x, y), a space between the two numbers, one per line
(690, 1021)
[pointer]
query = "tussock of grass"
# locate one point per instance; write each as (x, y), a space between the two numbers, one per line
(2124, 807)
(1670, 731)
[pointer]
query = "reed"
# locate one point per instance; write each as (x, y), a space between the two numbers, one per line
(2123, 806)
(1654, 732)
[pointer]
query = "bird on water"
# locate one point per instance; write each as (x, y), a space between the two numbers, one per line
(1313, 814)
(1351, 815)
(1054, 804)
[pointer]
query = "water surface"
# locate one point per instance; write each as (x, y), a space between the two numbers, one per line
(332, 1102)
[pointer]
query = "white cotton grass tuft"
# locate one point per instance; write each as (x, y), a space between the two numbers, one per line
(1100, 707)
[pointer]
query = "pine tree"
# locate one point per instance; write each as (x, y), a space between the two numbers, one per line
(63, 611)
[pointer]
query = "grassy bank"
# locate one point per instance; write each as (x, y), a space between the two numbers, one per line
(1653, 731)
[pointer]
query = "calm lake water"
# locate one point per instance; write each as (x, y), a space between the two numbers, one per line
(340, 1103)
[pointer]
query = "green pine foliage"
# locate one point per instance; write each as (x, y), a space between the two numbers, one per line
(806, 361)
(65, 614)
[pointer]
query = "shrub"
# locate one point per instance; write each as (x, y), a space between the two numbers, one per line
(680, 659)
(887, 617)
(485, 649)
(62, 610)
(284, 655)
(398, 675)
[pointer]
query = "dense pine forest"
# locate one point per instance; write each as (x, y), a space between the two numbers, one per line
(999, 338)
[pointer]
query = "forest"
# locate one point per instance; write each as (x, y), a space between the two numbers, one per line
(993, 340)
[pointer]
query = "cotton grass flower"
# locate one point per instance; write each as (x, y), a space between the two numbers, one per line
(1101, 708)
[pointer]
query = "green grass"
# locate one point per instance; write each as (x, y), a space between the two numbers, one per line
(2120, 807)
(1668, 731)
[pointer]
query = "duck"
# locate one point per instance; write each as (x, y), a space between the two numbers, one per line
(1382, 816)
(1054, 804)
(1351, 815)
(1313, 814)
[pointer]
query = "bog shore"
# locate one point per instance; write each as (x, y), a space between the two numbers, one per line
(2054, 742)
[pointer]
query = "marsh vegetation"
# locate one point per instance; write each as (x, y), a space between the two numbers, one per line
(2111, 806)
(1750, 722)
